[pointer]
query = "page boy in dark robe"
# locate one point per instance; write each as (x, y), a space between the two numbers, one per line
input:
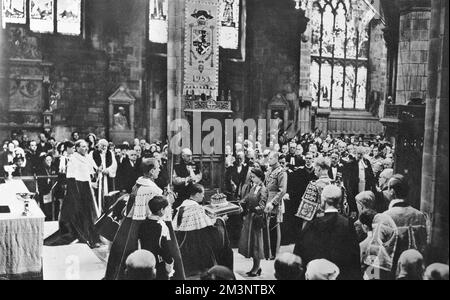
(154, 236)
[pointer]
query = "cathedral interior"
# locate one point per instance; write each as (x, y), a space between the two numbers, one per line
(118, 69)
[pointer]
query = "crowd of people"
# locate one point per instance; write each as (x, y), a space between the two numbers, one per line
(337, 199)
(42, 164)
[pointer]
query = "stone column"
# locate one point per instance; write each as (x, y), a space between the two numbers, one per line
(304, 112)
(435, 195)
(175, 57)
(413, 50)
(4, 87)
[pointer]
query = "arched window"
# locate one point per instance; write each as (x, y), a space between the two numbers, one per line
(41, 17)
(339, 53)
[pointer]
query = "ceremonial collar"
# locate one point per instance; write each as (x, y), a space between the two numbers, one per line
(189, 202)
(144, 181)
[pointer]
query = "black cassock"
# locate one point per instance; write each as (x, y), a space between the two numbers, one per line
(331, 237)
(77, 216)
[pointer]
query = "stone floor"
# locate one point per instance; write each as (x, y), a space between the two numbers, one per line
(79, 262)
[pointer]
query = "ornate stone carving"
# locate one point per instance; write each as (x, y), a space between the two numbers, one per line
(23, 46)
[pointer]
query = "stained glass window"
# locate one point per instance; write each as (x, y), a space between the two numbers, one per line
(230, 21)
(158, 25)
(339, 53)
(41, 15)
(13, 11)
(69, 17)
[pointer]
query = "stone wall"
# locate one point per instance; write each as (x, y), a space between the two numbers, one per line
(273, 57)
(435, 192)
(87, 69)
(377, 69)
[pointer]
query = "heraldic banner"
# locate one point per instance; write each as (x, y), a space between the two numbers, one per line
(201, 61)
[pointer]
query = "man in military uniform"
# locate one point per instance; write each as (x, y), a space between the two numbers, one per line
(276, 184)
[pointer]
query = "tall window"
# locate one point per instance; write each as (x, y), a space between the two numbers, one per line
(158, 25)
(230, 21)
(14, 11)
(339, 57)
(229, 18)
(45, 16)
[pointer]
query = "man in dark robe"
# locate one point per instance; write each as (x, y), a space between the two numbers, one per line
(44, 146)
(106, 166)
(331, 237)
(238, 174)
(32, 156)
(45, 186)
(185, 174)
(128, 172)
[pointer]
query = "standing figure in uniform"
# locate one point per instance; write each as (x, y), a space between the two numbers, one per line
(276, 184)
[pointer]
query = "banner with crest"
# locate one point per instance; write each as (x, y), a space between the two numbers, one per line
(201, 61)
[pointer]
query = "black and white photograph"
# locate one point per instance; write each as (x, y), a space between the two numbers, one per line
(254, 141)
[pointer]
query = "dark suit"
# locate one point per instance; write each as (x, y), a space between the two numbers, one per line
(294, 161)
(3, 162)
(163, 179)
(43, 148)
(34, 160)
(331, 237)
(127, 175)
(340, 169)
(238, 178)
(352, 176)
(45, 186)
(181, 171)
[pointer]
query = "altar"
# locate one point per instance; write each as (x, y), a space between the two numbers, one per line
(21, 237)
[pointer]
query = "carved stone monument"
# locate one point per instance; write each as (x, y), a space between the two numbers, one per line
(121, 116)
(278, 112)
(28, 77)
